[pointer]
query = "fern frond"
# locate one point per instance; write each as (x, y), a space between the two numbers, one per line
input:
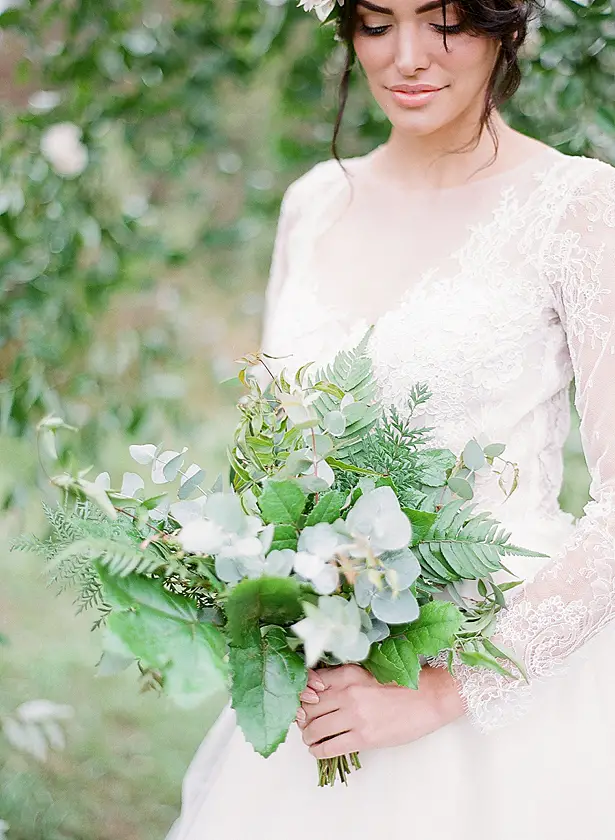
(352, 373)
(30, 543)
(460, 546)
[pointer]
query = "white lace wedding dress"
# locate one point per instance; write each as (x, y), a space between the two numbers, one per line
(496, 293)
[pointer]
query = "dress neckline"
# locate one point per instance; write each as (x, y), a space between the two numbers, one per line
(544, 155)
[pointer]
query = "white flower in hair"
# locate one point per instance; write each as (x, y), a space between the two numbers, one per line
(323, 8)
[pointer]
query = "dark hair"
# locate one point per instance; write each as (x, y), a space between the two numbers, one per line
(503, 20)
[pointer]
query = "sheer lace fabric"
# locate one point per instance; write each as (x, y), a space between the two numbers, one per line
(496, 294)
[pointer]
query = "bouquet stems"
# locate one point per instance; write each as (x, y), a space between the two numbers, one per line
(330, 768)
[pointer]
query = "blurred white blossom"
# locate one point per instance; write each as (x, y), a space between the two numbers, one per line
(238, 542)
(317, 547)
(323, 8)
(378, 519)
(61, 146)
(333, 626)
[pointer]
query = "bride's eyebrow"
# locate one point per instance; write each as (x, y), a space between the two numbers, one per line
(382, 10)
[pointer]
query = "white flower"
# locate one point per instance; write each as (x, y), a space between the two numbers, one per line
(217, 526)
(378, 518)
(244, 556)
(298, 407)
(321, 539)
(279, 563)
(323, 576)
(62, 147)
(201, 536)
(188, 511)
(334, 626)
(317, 546)
(323, 8)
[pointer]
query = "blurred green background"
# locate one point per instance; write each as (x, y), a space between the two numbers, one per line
(144, 149)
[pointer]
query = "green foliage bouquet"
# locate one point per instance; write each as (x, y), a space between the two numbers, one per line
(343, 538)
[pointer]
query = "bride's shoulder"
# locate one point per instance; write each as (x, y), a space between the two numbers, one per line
(319, 180)
(585, 173)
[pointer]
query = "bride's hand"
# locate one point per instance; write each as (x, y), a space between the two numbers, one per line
(349, 703)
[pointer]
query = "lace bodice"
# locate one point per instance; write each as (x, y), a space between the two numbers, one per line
(496, 293)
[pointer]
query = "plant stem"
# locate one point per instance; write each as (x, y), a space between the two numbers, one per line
(330, 768)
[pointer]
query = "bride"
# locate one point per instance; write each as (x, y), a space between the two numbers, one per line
(486, 262)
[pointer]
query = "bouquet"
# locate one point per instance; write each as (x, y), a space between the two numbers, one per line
(343, 537)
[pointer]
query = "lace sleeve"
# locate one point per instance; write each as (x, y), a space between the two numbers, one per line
(572, 599)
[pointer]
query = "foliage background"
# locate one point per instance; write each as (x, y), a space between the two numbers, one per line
(126, 293)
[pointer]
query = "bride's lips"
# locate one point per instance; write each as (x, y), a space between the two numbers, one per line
(409, 98)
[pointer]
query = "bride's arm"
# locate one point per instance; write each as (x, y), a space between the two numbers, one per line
(573, 597)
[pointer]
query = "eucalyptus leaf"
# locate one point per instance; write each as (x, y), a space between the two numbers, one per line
(461, 487)
(335, 423)
(473, 456)
(494, 450)
(190, 485)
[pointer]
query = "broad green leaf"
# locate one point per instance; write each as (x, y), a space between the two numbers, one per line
(385, 666)
(395, 660)
(327, 509)
(264, 600)
(164, 632)
(267, 678)
(435, 628)
(421, 522)
(284, 536)
(282, 502)
(434, 465)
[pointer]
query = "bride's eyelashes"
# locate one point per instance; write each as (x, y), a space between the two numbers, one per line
(374, 31)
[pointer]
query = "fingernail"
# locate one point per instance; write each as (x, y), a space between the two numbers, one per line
(317, 684)
(309, 696)
(301, 715)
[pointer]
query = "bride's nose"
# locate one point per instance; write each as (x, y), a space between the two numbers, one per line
(411, 52)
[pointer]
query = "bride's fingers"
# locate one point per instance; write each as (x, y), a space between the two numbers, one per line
(308, 695)
(325, 705)
(335, 723)
(314, 681)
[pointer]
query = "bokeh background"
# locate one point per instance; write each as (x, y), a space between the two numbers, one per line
(144, 149)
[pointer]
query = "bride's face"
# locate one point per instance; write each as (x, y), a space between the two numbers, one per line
(400, 42)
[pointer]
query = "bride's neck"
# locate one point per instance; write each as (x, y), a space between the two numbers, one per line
(429, 162)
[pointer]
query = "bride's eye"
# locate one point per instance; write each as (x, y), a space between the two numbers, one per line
(453, 29)
(364, 29)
